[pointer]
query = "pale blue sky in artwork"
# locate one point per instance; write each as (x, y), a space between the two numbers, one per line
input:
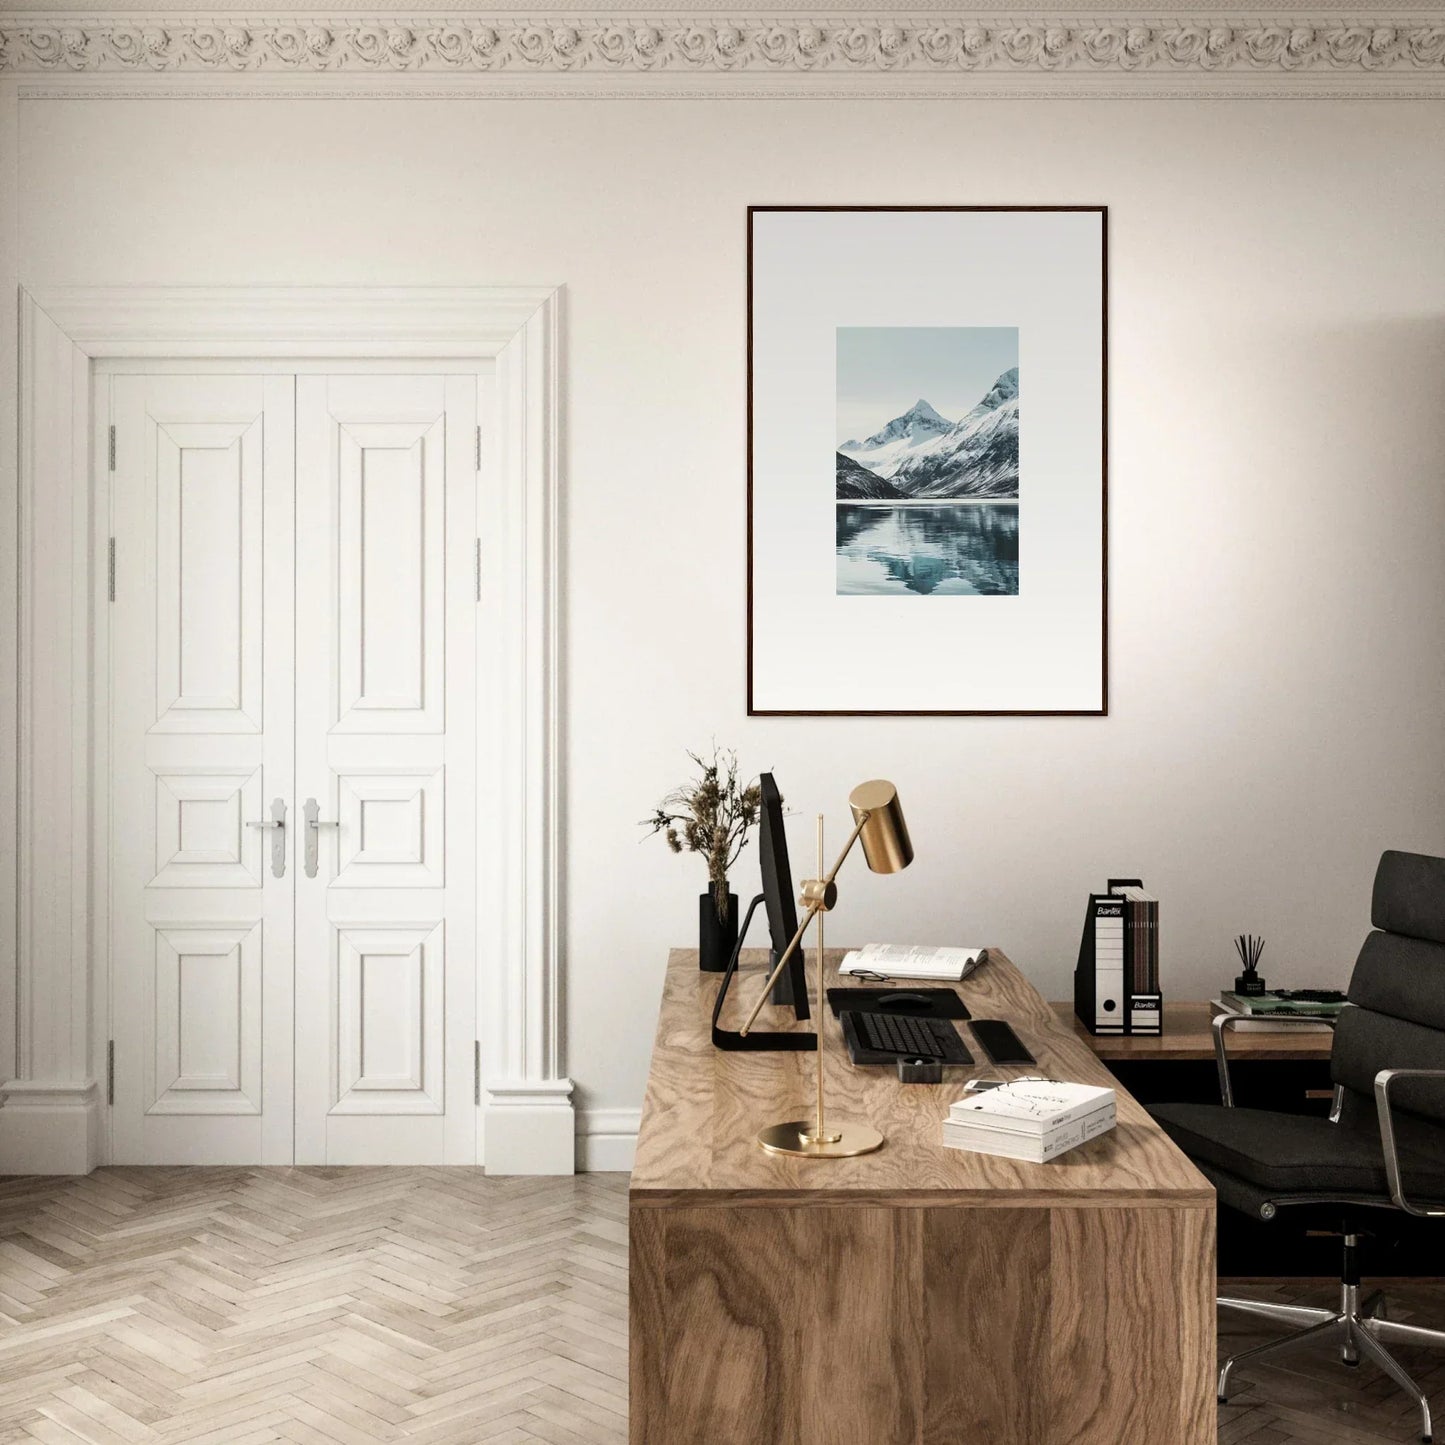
(883, 370)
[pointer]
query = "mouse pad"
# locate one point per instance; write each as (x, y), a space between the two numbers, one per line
(918, 1003)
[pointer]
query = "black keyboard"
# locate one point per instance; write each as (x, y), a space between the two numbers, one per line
(903, 1037)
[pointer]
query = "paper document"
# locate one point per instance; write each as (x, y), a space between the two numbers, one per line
(905, 960)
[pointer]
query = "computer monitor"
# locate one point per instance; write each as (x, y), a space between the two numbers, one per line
(791, 988)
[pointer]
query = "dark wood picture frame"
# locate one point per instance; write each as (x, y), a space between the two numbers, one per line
(1103, 709)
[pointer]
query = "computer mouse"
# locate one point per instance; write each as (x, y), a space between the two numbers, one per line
(903, 1000)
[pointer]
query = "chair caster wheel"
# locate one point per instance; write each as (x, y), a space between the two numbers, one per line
(1221, 1399)
(1353, 1364)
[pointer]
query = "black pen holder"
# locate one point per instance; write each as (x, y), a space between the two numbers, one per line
(1251, 985)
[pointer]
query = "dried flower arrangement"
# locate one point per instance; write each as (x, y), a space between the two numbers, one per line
(712, 816)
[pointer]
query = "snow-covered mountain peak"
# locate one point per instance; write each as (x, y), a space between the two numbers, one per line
(921, 411)
(885, 450)
(918, 421)
(1004, 389)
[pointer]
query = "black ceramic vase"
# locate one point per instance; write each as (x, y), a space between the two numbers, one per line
(716, 937)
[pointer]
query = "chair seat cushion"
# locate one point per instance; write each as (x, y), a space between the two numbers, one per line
(1303, 1154)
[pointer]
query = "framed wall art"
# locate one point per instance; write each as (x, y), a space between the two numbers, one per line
(927, 460)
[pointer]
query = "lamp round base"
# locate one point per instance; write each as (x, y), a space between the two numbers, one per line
(795, 1137)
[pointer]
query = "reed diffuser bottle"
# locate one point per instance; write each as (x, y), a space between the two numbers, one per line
(1249, 948)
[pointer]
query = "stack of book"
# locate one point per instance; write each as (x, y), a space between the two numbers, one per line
(1259, 1010)
(1031, 1119)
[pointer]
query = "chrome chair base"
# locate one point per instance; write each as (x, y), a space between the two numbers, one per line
(1359, 1328)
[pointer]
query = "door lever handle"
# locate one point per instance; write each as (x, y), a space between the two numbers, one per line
(276, 821)
(314, 824)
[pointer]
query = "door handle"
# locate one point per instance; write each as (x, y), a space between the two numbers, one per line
(276, 821)
(314, 824)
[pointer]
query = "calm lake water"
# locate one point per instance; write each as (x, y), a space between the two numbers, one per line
(957, 548)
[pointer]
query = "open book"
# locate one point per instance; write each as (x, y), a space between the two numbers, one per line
(904, 960)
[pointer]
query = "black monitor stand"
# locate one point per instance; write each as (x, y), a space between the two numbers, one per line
(791, 989)
(785, 991)
(754, 1041)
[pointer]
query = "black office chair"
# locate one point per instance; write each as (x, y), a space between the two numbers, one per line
(1381, 1151)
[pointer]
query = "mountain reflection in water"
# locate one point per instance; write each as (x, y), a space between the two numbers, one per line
(957, 548)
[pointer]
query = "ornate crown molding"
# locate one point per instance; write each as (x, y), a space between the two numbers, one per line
(1174, 49)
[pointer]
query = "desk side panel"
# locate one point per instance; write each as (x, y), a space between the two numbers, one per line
(986, 1292)
(774, 1325)
(1132, 1351)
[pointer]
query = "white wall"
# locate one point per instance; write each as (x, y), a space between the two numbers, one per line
(1277, 489)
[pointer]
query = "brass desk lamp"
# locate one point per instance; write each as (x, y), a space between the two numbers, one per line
(878, 824)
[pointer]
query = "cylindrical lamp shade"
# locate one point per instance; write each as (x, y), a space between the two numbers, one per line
(885, 840)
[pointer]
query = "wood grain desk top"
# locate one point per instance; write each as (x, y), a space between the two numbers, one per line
(1188, 1037)
(704, 1106)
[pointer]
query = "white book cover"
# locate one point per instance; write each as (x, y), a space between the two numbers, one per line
(1035, 1105)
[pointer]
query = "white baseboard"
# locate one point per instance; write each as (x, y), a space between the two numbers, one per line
(530, 1128)
(49, 1128)
(607, 1140)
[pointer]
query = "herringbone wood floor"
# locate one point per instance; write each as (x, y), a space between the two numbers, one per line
(347, 1306)
(322, 1306)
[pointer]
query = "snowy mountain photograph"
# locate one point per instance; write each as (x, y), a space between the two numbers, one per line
(927, 460)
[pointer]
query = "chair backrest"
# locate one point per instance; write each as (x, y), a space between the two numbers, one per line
(1398, 990)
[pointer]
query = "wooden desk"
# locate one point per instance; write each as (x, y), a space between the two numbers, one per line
(1187, 1037)
(919, 1294)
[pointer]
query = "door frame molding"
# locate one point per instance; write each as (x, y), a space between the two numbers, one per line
(51, 1122)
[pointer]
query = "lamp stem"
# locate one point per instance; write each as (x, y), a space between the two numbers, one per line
(819, 1133)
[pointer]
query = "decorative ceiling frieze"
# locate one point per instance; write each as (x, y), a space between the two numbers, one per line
(1406, 54)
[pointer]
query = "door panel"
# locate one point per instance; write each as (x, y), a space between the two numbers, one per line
(389, 605)
(201, 743)
(209, 619)
(390, 998)
(385, 928)
(391, 829)
(208, 1035)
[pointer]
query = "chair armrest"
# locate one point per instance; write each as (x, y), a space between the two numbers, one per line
(1222, 1025)
(1425, 1208)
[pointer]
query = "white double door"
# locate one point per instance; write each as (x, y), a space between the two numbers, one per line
(293, 773)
